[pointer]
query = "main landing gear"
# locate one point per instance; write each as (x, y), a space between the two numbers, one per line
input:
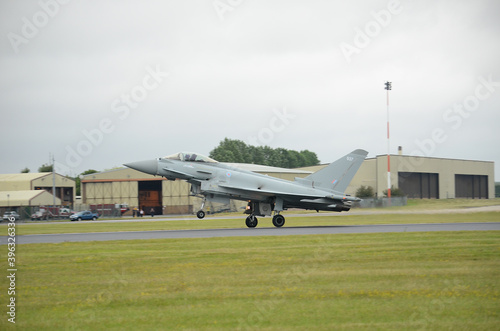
(278, 221)
(251, 220)
(265, 209)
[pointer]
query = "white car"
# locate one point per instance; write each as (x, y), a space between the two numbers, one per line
(10, 214)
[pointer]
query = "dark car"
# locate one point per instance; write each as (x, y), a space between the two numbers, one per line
(84, 215)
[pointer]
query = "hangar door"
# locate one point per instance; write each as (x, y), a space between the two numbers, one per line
(419, 185)
(150, 196)
(471, 186)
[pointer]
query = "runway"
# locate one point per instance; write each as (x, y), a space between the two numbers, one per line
(248, 232)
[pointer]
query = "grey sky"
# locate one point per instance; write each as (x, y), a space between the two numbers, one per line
(103, 83)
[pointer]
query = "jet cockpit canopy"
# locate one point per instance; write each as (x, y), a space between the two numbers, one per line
(190, 157)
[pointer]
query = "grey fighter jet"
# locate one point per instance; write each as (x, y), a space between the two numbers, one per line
(219, 182)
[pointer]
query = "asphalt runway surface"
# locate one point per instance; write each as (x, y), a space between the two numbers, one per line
(247, 232)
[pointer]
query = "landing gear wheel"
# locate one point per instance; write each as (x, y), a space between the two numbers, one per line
(278, 221)
(251, 221)
(200, 214)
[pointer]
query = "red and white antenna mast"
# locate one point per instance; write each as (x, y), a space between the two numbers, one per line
(388, 87)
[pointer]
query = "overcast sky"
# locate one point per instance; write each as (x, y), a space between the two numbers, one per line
(102, 83)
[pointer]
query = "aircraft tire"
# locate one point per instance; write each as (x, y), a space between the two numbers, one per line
(251, 221)
(200, 214)
(278, 221)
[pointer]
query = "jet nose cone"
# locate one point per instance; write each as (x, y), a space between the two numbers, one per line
(147, 166)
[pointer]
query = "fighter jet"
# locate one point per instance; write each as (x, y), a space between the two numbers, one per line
(266, 196)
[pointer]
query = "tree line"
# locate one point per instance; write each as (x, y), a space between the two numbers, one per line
(236, 151)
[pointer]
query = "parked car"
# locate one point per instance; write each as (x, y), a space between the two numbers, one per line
(42, 214)
(84, 215)
(65, 212)
(8, 214)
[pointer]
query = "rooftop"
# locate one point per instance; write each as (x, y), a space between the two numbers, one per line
(22, 177)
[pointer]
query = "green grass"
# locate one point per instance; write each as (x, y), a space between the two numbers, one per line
(409, 281)
(207, 223)
(435, 204)
(390, 215)
(418, 205)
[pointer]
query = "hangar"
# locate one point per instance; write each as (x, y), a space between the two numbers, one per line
(417, 177)
(65, 187)
(426, 177)
(21, 192)
(28, 198)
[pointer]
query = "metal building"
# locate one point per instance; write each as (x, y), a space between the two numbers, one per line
(14, 199)
(65, 187)
(426, 177)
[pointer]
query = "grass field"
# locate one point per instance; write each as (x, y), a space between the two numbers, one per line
(449, 203)
(393, 215)
(400, 281)
(386, 281)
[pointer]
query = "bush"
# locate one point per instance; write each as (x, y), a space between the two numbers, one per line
(395, 192)
(365, 192)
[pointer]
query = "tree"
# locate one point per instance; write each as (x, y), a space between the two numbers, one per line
(25, 170)
(45, 168)
(78, 182)
(365, 192)
(236, 151)
(281, 158)
(310, 158)
(231, 151)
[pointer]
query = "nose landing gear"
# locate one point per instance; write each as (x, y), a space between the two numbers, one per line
(200, 213)
(251, 221)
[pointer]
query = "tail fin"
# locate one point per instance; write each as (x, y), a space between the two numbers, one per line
(338, 174)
